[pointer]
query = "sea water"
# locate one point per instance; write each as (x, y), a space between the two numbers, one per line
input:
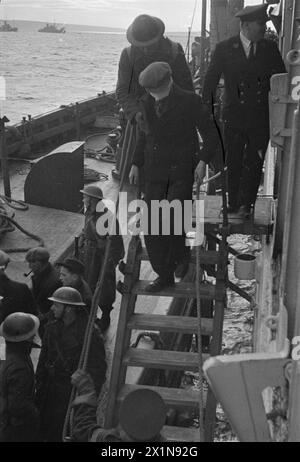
(45, 71)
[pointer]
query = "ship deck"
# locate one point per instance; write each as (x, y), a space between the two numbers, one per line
(58, 229)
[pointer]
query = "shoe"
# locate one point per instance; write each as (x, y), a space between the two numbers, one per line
(103, 323)
(182, 268)
(245, 211)
(158, 284)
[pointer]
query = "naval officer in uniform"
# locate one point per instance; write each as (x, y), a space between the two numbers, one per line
(247, 63)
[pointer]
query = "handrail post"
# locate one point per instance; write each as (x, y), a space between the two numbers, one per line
(3, 157)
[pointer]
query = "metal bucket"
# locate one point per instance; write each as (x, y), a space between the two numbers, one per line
(244, 266)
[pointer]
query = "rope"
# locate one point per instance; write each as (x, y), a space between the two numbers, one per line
(215, 177)
(13, 203)
(199, 333)
(190, 28)
(24, 231)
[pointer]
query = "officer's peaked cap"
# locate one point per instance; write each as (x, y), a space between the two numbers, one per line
(253, 13)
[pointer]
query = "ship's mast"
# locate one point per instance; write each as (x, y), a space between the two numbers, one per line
(224, 24)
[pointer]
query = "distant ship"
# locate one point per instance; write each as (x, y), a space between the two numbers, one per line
(53, 29)
(6, 27)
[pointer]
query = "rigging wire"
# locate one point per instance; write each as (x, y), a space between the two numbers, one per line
(191, 26)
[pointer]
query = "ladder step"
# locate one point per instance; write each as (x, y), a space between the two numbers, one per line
(162, 359)
(165, 323)
(181, 434)
(178, 290)
(207, 257)
(173, 397)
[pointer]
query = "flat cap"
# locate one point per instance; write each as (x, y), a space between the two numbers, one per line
(73, 265)
(155, 75)
(253, 13)
(37, 254)
(4, 259)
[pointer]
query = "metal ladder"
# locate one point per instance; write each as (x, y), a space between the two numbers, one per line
(125, 356)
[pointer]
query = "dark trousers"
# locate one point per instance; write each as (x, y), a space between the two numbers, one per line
(245, 151)
(166, 251)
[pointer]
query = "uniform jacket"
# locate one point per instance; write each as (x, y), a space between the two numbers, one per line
(168, 146)
(17, 297)
(61, 349)
(128, 89)
(43, 286)
(19, 417)
(94, 250)
(247, 83)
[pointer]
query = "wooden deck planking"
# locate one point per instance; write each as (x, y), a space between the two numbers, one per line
(56, 227)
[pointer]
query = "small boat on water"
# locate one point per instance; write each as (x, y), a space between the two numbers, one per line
(6, 27)
(53, 29)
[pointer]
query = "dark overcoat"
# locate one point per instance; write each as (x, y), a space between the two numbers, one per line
(247, 82)
(168, 146)
(58, 360)
(133, 61)
(17, 297)
(19, 417)
(94, 250)
(43, 286)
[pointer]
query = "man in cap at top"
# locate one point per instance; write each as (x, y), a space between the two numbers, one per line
(45, 281)
(147, 45)
(142, 415)
(247, 63)
(61, 349)
(94, 245)
(71, 275)
(16, 295)
(168, 150)
(19, 417)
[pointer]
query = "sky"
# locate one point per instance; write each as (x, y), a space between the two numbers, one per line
(177, 14)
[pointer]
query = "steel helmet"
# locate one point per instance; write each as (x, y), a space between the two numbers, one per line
(67, 296)
(19, 327)
(92, 191)
(149, 415)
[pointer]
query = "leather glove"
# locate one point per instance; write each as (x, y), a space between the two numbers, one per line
(85, 388)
